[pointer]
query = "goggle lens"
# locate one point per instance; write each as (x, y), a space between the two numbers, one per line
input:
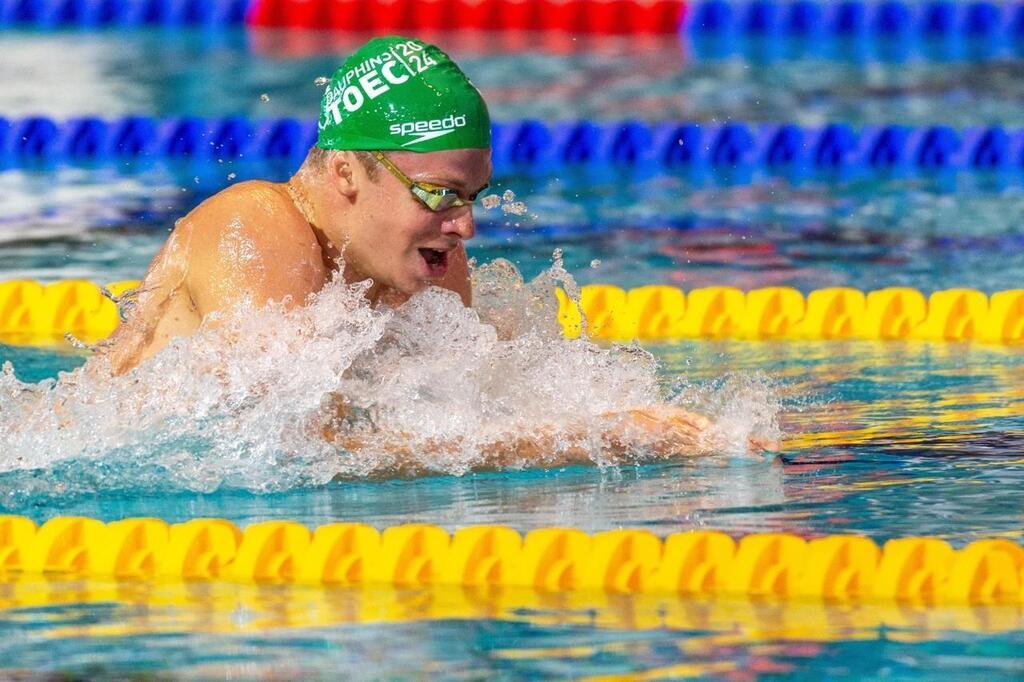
(437, 198)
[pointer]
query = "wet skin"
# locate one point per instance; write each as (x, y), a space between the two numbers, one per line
(257, 242)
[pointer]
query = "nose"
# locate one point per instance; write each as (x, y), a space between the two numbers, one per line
(460, 223)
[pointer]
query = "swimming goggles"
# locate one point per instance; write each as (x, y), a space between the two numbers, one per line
(434, 197)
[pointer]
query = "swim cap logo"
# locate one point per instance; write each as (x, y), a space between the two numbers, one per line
(373, 77)
(397, 93)
(427, 130)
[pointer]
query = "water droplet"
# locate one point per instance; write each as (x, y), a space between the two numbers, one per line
(508, 196)
(596, 263)
(264, 98)
(231, 176)
(515, 208)
(490, 201)
(76, 342)
(321, 81)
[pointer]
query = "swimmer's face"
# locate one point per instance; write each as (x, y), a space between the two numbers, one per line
(394, 238)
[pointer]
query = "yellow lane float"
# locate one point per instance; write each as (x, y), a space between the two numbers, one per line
(843, 568)
(33, 313)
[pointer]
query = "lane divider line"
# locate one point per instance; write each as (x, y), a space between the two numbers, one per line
(744, 151)
(845, 568)
(36, 314)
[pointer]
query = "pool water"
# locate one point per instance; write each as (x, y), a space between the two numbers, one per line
(555, 78)
(885, 439)
(882, 439)
(93, 224)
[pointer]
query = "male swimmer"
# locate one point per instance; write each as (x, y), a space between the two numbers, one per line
(385, 195)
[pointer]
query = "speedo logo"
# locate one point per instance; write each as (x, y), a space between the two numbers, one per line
(428, 130)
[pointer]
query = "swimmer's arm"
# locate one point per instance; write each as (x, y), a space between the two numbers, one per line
(663, 431)
(161, 309)
(244, 245)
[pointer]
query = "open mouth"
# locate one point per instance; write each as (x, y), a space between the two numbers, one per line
(436, 260)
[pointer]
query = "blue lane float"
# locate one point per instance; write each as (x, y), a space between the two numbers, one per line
(855, 29)
(853, 18)
(56, 14)
(534, 147)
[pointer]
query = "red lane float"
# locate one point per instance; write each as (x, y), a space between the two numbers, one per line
(605, 17)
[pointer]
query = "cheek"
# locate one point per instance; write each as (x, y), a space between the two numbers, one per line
(412, 227)
(398, 224)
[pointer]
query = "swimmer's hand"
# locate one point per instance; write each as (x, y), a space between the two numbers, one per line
(670, 430)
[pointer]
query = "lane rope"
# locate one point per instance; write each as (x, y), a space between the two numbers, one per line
(36, 314)
(743, 150)
(607, 17)
(893, 20)
(839, 567)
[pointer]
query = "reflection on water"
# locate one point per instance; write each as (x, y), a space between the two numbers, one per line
(556, 77)
(685, 231)
(884, 439)
(224, 629)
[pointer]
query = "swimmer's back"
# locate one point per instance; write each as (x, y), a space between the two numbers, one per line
(247, 244)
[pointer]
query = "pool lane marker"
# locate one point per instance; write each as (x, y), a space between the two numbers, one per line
(35, 314)
(736, 152)
(846, 568)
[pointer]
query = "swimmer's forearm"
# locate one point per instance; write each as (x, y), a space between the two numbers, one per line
(545, 448)
(517, 452)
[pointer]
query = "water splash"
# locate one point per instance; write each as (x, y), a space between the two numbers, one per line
(740, 407)
(507, 202)
(275, 398)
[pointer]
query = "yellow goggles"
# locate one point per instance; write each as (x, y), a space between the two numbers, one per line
(434, 197)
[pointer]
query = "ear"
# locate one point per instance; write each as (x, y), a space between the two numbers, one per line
(342, 169)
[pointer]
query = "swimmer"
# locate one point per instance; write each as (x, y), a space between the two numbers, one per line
(385, 196)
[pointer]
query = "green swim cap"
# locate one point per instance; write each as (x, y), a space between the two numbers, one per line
(397, 93)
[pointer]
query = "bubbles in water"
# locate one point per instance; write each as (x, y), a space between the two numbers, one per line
(595, 264)
(508, 196)
(321, 81)
(277, 398)
(490, 201)
(264, 98)
(232, 176)
(740, 406)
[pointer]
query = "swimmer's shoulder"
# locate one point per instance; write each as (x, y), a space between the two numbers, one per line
(255, 203)
(260, 213)
(250, 239)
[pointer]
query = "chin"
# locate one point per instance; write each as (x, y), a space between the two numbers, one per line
(413, 286)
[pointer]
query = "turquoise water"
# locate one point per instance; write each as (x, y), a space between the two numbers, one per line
(884, 439)
(555, 78)
(94, 224)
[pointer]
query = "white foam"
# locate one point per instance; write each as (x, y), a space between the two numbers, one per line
(431, 386)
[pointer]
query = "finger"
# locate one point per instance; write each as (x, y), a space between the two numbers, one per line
(764, 444)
